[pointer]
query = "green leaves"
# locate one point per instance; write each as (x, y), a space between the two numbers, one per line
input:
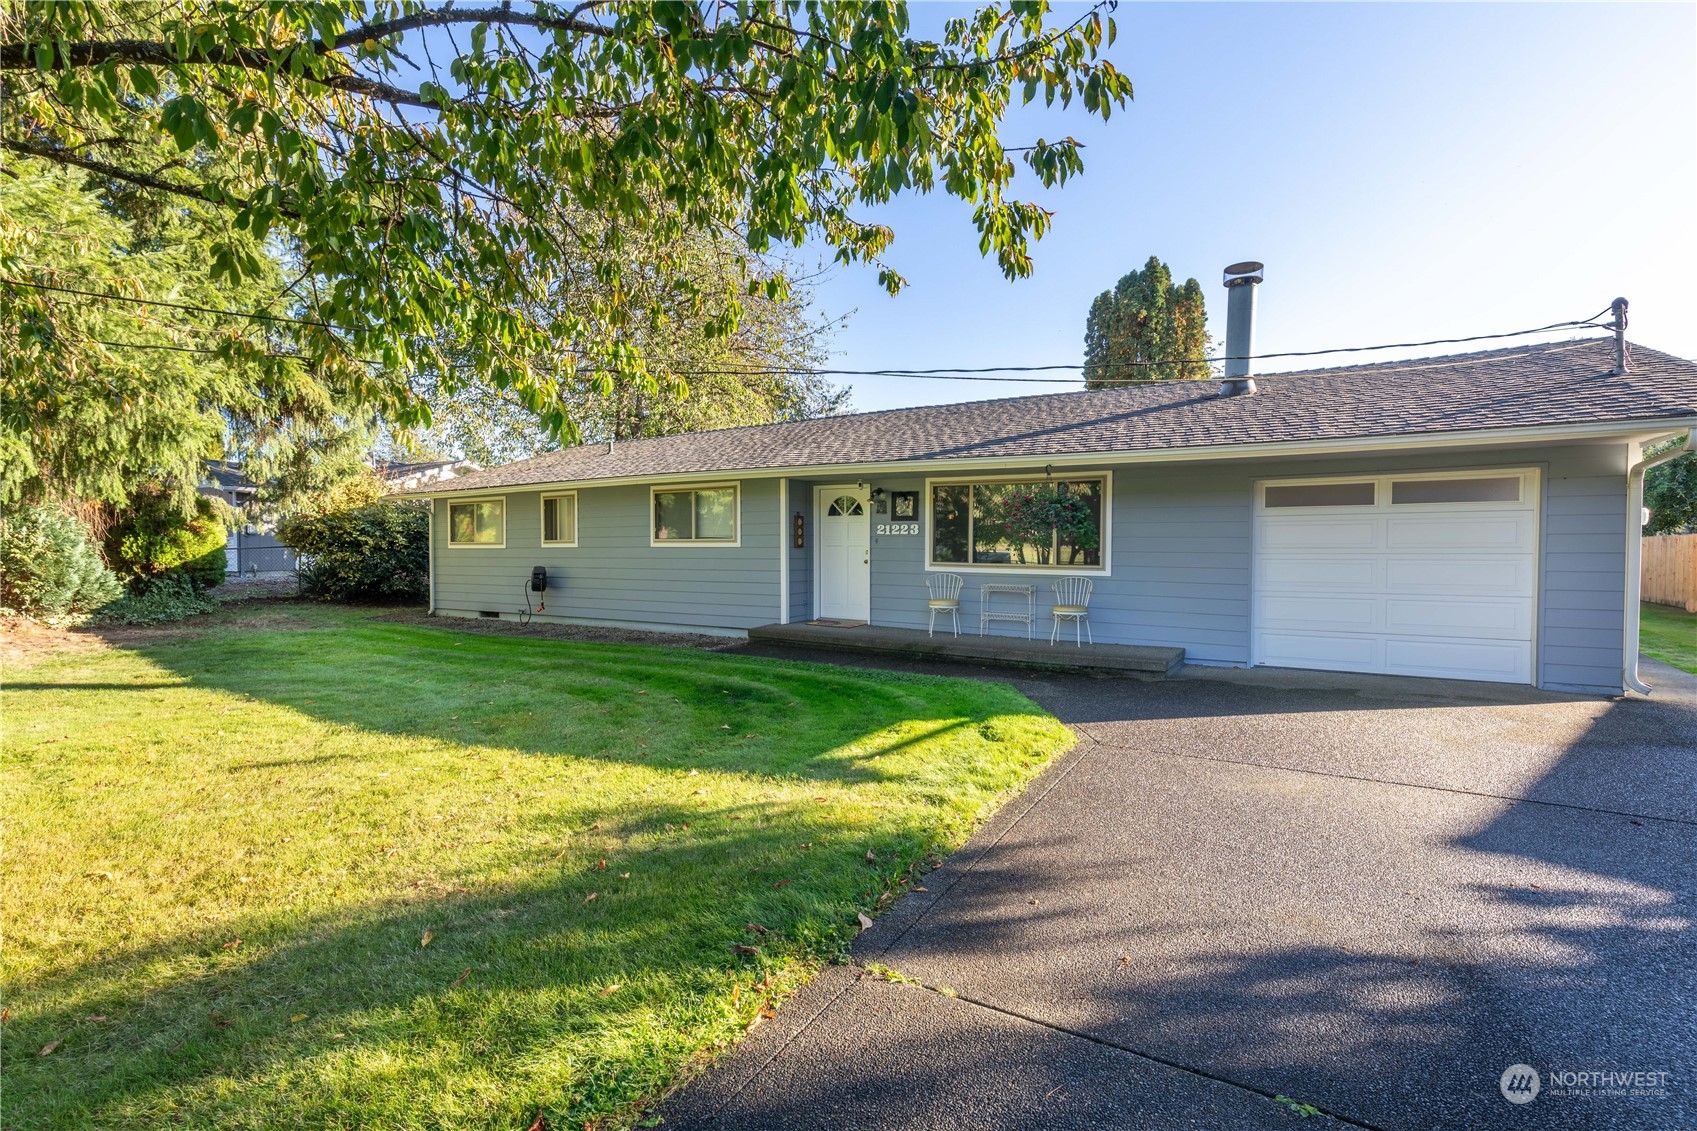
(439, 211)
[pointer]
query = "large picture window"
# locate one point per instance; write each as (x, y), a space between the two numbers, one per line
(696, 514)
(559, 520)
(480, 523)
(1019, 524)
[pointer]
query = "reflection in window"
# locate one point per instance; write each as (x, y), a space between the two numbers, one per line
(1041, 523)
(704, 514)
(845, 505)
(477, 524)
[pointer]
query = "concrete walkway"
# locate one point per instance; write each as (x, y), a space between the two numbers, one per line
(1368, 896)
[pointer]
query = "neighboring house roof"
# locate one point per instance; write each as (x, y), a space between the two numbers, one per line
(1565, 383)
(391, 469)
(226, 475)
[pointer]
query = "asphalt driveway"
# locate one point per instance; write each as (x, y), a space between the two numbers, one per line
(1245, 891)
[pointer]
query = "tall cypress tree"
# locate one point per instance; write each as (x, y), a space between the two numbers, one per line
(1147, 328)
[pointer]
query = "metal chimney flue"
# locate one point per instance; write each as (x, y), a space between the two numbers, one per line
(1622, 357)
(1241, 279)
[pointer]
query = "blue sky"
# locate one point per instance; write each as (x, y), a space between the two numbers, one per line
(1405, 171)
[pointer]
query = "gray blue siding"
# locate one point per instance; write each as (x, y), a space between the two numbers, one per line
(1181, 561)
(613, 575)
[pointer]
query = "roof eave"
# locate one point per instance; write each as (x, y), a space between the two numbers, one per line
(1643, 429)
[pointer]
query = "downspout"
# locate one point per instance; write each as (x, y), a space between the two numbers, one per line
(1635, 556)
(430, 554)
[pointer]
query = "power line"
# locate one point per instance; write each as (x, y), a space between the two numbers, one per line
(263, 317)
(953, 373)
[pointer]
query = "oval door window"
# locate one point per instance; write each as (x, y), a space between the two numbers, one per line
(845, 505)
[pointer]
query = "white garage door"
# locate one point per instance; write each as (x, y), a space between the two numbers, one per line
(1431, 575)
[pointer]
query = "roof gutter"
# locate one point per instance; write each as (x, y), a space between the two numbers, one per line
(1635, 556)
(1648, 427)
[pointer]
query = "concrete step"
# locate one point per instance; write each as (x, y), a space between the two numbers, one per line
(1012, 651)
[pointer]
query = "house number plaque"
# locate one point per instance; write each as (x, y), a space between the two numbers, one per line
(898, 528)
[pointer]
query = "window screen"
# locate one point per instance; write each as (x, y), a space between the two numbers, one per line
(1321, 495)
(1496, 489)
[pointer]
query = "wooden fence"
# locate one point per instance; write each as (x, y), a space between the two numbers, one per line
(1670, 570)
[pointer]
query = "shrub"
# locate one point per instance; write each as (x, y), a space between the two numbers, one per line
(49, 566)
(378, 552)
(156, 600)
(152, 538)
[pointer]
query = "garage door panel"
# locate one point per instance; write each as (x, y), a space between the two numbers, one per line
(1309, 534)
(1457, 534)
(1505, 662)
(1320, 650)
(1441, 588)
(1324, 574)
(1498, 577)
(1495, 620)
(1340, 613)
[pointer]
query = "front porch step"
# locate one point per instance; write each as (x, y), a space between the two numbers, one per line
(1137, 660)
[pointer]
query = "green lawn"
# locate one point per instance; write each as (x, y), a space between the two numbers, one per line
(301, 867)
(1669, 634)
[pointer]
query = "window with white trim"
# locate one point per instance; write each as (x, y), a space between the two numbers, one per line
(482, 522)
(559, 519)
(1019, 524)
(696, 514)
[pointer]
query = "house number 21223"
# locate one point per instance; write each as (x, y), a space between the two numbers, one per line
(898, 528)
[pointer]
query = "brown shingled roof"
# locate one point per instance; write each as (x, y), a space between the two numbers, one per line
(1564, 383)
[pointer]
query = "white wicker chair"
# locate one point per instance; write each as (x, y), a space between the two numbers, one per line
(945, 598)
(1072, 602)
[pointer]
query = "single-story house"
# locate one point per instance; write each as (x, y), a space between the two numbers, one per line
(1474, 516)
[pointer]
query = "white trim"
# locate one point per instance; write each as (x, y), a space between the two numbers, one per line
(430, 555)
(783, 551)
(541, 525)
(1632, 628)
(816, 584)
(1532, 499)
(448, 535)
(1644, 430)
(697, 543)
(1103, 570)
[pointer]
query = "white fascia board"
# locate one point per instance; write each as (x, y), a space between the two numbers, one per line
(1642, 430)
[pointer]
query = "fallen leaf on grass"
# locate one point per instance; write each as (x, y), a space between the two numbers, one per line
(590, 898)
(865, 922)
(232, 944)
(297, 1018)
(96, 1017)
(460, 981)
(624, 875)
(639, 692)
(600, 867)
(220, 1022)
(744, 948)
(425, 941)
(756, 928)
(5, 1015)
(539, 1125)
(47, 1049)
(871, 857)
(610, 990)
(783, 883)
(762, 1015)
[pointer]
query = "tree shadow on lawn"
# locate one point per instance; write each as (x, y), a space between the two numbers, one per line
(627, 703)
(388, 1029)
(574, 983)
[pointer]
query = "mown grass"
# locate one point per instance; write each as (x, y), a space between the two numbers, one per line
(319, 870)
(1668, 634)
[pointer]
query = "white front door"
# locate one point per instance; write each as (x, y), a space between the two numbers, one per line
(1430, 574)
(845, 553)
